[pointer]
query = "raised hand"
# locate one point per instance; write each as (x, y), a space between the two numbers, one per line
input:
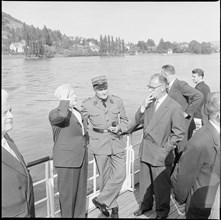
(146, 102)
(65, 91)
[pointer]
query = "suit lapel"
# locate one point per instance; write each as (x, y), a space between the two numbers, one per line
(215, 135)
(172, 88)
(23, 169)
(99, 104)
(162, 109)
(11, 161)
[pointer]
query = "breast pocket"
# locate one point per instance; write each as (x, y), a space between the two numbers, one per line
(115, 113)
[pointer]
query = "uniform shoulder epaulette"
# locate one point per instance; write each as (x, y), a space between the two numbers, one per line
(87, 99)
(116, 96)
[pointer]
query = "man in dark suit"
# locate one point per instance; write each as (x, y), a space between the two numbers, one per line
(197, 176)
(164, 126)
(70, 154)
(200, 116)
(107, 117)
(17, 186)
(188, 97)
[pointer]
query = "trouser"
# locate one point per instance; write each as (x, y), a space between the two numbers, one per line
(155, 181)
(72, 188)
(112, 173)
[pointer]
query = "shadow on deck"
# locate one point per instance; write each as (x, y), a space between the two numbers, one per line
(128, 204)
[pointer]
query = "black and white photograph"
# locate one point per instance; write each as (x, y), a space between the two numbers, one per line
(111, 109)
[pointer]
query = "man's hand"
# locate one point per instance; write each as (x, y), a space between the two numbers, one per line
(114, 129)
(146, 102)
(65, 91)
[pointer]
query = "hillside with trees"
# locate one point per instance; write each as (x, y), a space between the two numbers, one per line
(39, 43)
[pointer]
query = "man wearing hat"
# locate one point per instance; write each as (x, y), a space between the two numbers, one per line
(106, 115)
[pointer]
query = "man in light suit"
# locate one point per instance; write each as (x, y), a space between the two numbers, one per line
(188, 97)
(197, 177)
(70, 154)
(107, 118)
(17, 186)
(164, 126)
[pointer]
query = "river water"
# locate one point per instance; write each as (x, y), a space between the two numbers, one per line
(31, 85)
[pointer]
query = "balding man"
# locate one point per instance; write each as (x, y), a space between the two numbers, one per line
(70, 154)
(164, 126)
(17, 186)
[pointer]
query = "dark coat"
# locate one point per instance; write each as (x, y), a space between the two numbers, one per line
(17, 185)
(204, 89)
(69, 143)
(188, 97)
(198, 174)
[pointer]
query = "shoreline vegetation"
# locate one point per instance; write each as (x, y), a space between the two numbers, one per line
(35, 43)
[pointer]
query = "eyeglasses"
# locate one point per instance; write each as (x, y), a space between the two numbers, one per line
(153, 88)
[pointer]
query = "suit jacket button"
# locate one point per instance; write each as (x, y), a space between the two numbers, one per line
(19, 187)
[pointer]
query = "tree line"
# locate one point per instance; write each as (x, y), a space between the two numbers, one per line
(47, 42)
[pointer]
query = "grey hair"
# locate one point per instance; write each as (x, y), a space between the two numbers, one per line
(212, 104)
(162, 79)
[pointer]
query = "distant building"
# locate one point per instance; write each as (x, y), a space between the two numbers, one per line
(94, 47)
(169, 51)
(18, 47)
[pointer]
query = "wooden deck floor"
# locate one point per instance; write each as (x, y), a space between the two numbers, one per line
(128, 204)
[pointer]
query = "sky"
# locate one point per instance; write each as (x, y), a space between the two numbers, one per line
(131, 21)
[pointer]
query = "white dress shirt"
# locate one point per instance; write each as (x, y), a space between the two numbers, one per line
(216, 126)
(159, 101)
(8, 148)
(79, 118)
(171, 83)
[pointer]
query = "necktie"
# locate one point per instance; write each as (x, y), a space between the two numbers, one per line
(156, 104)
(168, 88)
(104, 102)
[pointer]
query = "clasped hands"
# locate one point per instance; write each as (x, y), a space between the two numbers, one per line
(114, 129)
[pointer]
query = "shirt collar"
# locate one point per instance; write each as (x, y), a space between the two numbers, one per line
(171, 83)
(3, 141)
(199, 81)
(160, 100)
(216, 126)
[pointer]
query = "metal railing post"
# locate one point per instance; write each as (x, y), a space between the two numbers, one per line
(51, 187)
(47, 189)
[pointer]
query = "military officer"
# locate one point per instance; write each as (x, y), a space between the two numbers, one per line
(106, 115)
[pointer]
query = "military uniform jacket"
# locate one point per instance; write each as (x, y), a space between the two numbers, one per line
(102, 118)
(17, 185)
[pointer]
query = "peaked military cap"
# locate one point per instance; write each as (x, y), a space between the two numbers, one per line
(99, 82)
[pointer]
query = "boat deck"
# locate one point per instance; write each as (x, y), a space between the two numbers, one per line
(128, 204)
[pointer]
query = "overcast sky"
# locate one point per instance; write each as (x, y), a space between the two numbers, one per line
(131, 21)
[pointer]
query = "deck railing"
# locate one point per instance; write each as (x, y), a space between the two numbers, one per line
(50, 177)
